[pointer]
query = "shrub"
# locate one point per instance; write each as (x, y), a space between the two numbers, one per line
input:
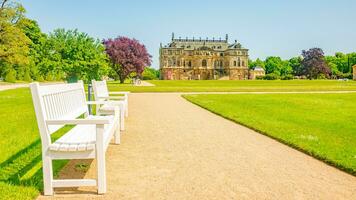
(150, 74)
(287, 77)
(344, 75)
(39, 78)
(26, 76)
(321, 76)
(260, 77)
(59, 76)
(271, 76)
(11, 76)
(49, 77)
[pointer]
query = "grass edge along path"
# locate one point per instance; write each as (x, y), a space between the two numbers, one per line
(203, 101)
(236, 86)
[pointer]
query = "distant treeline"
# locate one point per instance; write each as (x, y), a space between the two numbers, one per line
(316, 66)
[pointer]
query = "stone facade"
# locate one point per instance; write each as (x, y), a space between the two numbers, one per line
(198, 59)
(354, 72)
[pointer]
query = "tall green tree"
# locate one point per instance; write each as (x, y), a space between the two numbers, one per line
(276, 65)
(14, 43)
(39, 50)
(258, 62)
(77, 55)
(296, 65)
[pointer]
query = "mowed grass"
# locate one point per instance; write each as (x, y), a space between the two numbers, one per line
(322, 125)
(20, 146)
(236, 86)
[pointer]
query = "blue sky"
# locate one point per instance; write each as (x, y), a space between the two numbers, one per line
(267, 28)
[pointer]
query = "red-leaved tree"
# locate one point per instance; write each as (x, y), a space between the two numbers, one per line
(127, 56)
(314, 65)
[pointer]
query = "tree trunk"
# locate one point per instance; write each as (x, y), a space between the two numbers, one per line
(122, 79)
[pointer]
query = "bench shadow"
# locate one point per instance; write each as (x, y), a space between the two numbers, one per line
(25, 169)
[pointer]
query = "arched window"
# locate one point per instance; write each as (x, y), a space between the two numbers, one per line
(190, 63)
(243, 63)
(235, 63)
(239, 62)
(203, 63)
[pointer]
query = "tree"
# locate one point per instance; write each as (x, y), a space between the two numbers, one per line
(296, 65)
(276, 65)
(150, 74)
(13, 42)
(314, 65)
(258, 62)
(127, 56)
(76, 54)
(39, 50)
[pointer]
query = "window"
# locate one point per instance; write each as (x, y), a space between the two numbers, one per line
(239, 62)
(189, 63)
(221, 54)
(203, 63)
(243, 63)
(234, 62)
(178, 63)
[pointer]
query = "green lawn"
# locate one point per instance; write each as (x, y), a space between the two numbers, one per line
(237, 86)
(322, 125)
(20, 147)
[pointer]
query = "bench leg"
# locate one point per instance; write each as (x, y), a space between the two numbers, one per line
(117, 134)
(47, 175)
(100, 160)
(126, 108)
(122, 117)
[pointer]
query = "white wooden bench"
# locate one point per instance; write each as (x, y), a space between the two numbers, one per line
(101, 93)
(63, 104)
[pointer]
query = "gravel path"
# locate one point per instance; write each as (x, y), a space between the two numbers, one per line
(172, 149)
(12, 86)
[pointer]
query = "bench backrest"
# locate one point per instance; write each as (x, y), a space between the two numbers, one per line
(100, 89)
(59, 101)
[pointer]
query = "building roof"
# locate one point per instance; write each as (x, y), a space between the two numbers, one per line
(258, 68)
(202, 44)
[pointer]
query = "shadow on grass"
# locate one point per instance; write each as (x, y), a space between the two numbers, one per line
(25, 167)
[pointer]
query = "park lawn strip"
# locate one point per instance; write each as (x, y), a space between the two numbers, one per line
(322, 125)
(236, 86)
(20, 146)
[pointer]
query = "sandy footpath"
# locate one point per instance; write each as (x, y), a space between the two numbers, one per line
(12, 86)
(172, 149)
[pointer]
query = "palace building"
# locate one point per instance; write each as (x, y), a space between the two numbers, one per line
(203, 59)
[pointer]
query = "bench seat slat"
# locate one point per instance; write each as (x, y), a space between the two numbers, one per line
(82, 137)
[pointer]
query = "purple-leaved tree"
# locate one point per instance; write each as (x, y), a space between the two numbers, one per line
(314, 65)
(127, 56)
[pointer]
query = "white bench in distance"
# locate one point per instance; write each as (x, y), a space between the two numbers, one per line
(101, 93)
(62, 104)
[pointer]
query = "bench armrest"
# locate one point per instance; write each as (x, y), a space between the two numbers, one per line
(76, 121)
